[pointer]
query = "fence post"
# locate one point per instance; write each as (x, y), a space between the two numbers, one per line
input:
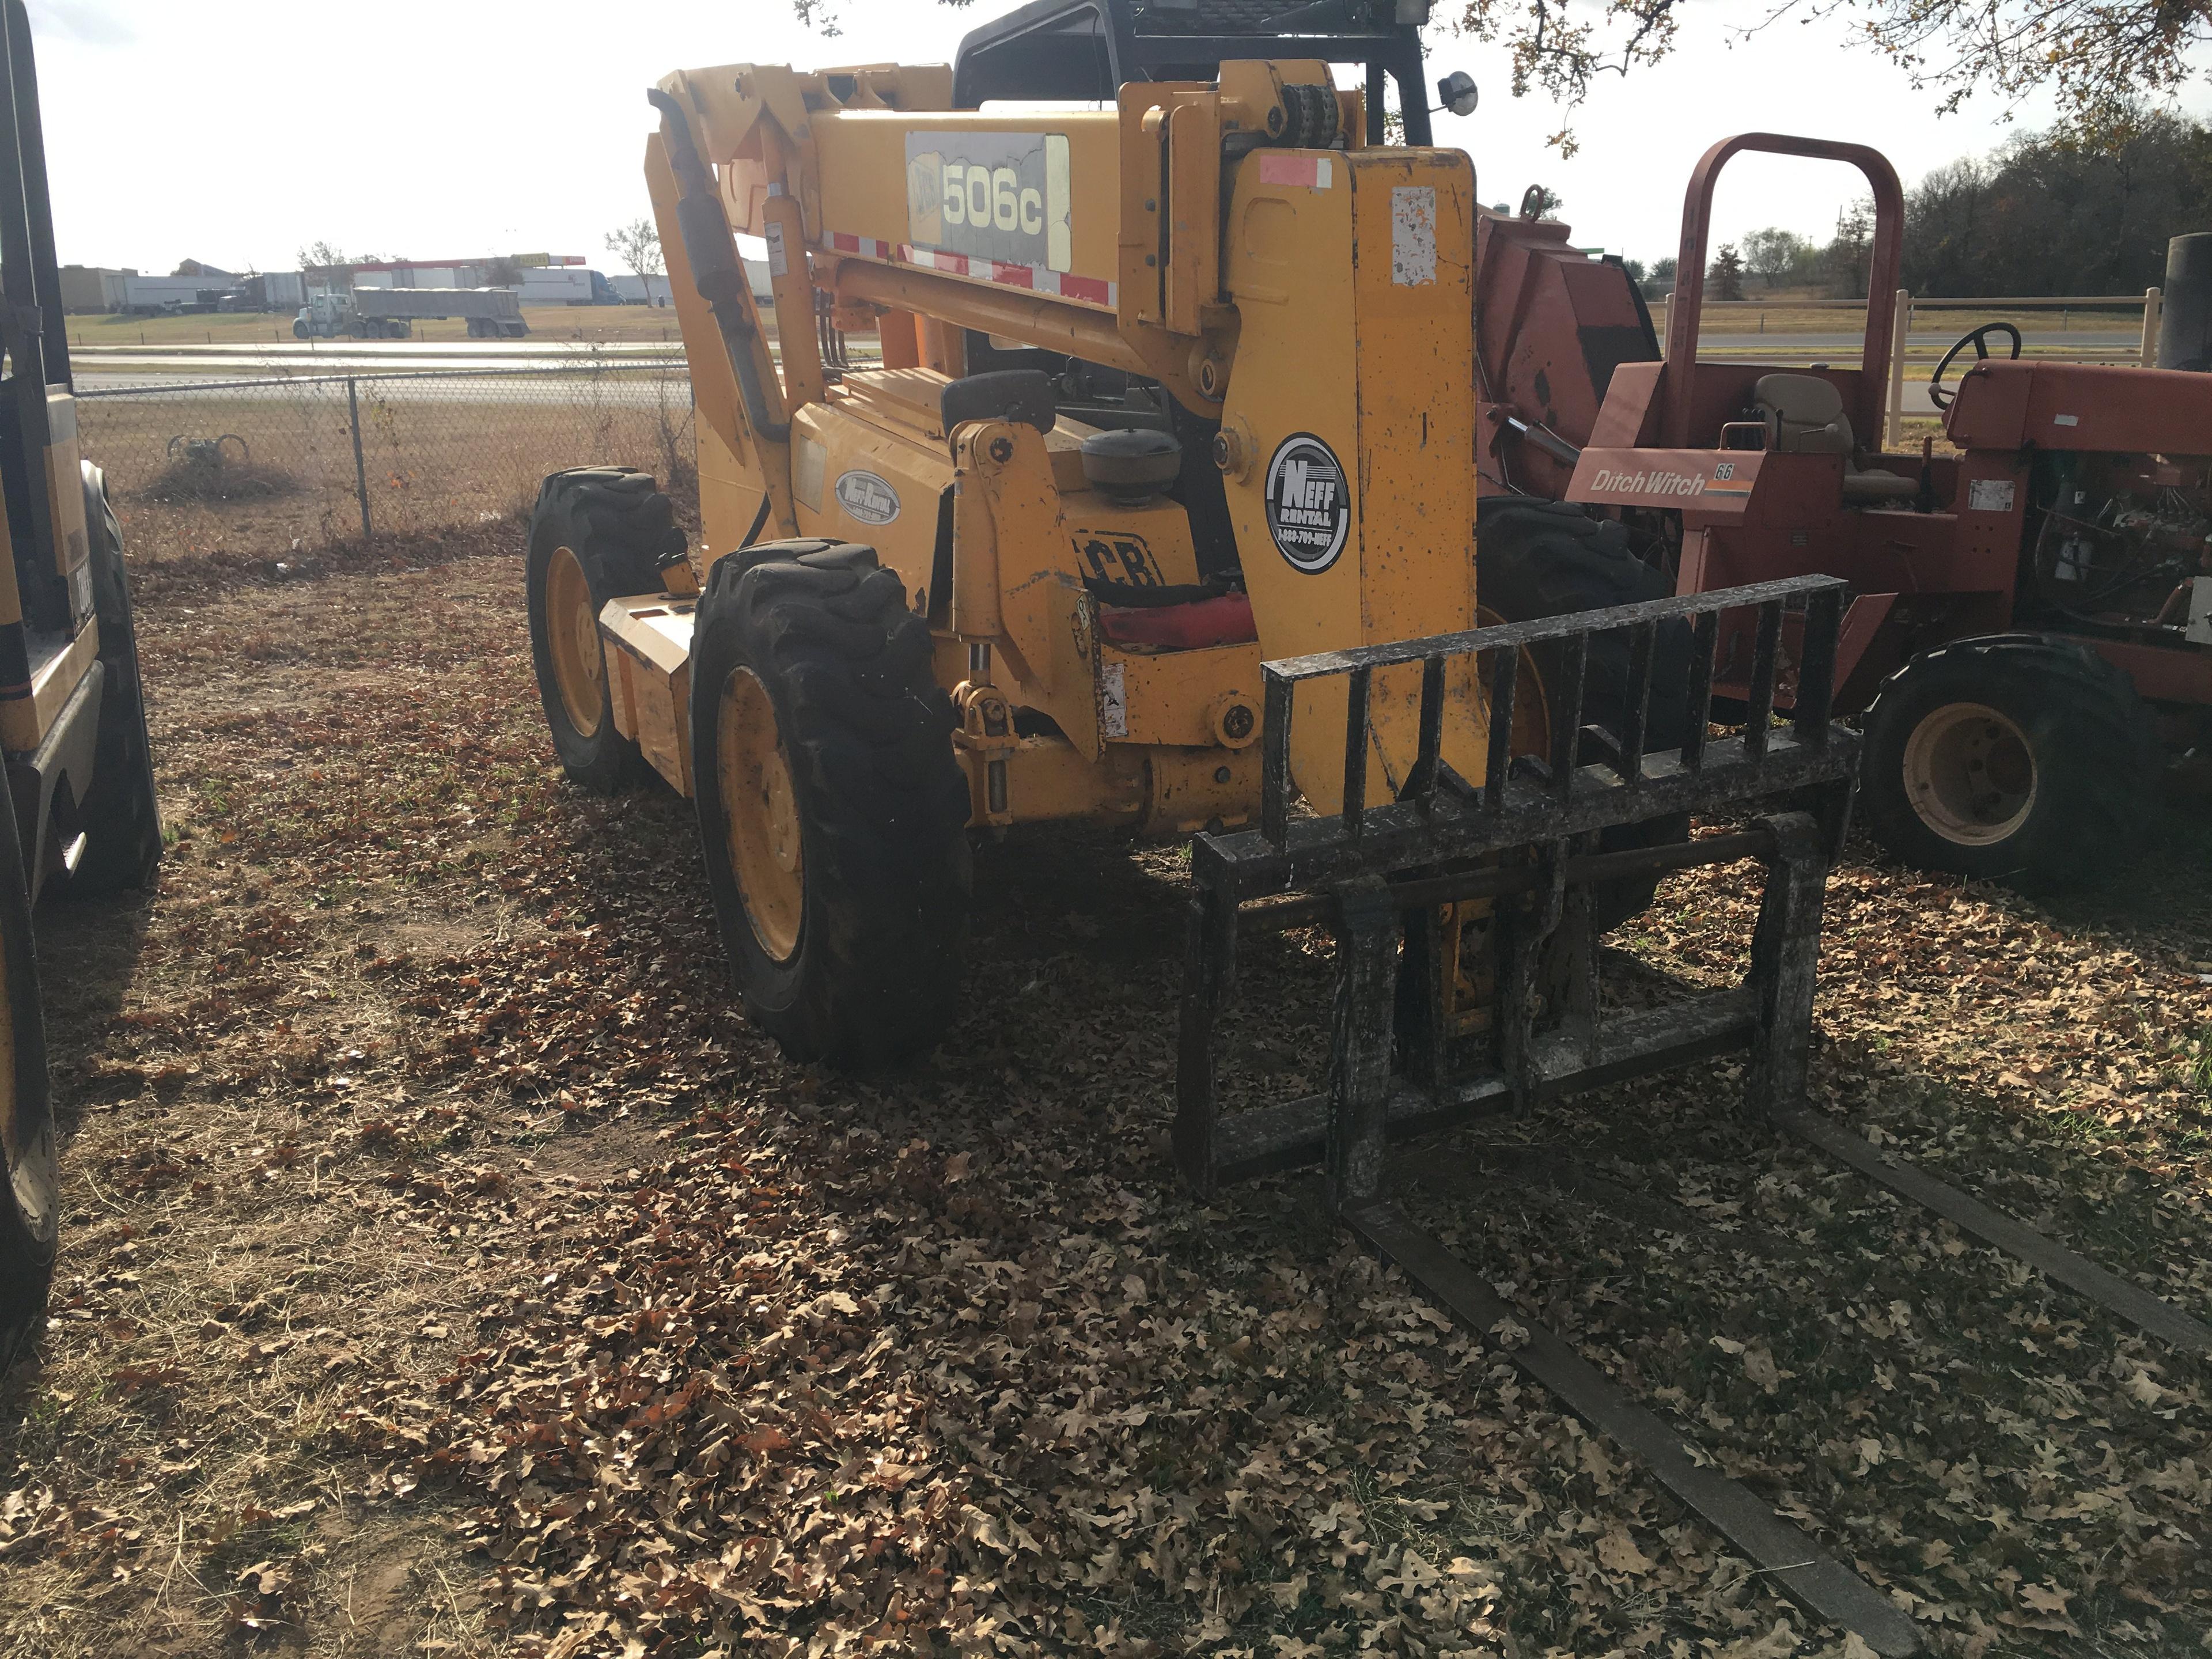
(2154, 313)
(360, 462)
(1900, 333)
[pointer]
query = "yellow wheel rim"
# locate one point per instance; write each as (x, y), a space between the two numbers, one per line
(572, 624)
(1970, 775)
(760, 812)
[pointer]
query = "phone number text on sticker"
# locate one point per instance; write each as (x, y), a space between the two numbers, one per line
(1309, 503)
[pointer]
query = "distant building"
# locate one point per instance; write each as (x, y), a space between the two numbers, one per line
(93, 290)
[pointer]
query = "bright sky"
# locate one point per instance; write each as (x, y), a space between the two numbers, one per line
(432, 129)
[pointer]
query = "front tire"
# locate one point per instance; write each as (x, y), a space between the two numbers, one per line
(2012, 758)
(30, 1187)
(1535, 560)
(832, 812)
(598, 533)
(122, 818)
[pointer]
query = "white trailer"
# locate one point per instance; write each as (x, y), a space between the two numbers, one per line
(150, 296)
(390, 313)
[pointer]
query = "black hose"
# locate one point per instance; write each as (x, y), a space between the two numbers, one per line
(716, 271)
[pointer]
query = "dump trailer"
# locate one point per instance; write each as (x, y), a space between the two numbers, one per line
(2029, 638)
(80, 812)
(1162, 512)
(390, 313)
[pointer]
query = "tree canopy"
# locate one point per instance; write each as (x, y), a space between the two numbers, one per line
(2101, 58)
(2045, 214)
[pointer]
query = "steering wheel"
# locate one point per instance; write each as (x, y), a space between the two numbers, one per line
(1979, 339)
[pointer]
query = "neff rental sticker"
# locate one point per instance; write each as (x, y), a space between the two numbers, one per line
(1309, 506)
(867, 498)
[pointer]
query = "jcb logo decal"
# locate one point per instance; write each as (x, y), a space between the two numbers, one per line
(1119, 558)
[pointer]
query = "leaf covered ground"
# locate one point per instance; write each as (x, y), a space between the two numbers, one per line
(450, 1270)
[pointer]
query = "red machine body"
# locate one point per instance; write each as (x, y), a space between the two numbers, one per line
(2079, 505)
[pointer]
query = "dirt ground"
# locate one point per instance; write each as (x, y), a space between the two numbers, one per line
(449, 1270)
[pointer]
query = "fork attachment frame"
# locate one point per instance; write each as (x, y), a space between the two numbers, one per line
(1387, 880)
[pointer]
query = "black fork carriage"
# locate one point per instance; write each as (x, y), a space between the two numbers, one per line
(1468, 933)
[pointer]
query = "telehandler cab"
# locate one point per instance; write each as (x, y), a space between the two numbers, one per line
(1162, 512)
(79, 812)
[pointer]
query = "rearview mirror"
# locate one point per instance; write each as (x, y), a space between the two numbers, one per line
(1459, 93)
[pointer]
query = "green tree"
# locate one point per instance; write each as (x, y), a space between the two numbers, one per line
(1776, 256)
(637, 244)
(2047, 214)
(1725, 280)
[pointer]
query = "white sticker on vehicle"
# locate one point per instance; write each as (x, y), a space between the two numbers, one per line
(1992, 496)
(2065, 420)
(867, 498)
(1413, 235)
(810, 463)
(779, 262)
(1113, 700)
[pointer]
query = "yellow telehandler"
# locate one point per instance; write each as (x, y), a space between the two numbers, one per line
(1161, 510)
(1167, 386)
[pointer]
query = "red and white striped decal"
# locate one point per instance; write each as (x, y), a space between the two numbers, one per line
(1084, 290)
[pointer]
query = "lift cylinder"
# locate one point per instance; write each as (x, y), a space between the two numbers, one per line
(2185, 334)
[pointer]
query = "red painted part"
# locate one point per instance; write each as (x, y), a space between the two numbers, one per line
(2161, 673)
(1918, 580)
(1553, 330)
(1863, 402)
(1226, 621)
(2082, 406)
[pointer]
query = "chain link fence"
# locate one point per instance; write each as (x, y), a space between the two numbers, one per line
(261, 467)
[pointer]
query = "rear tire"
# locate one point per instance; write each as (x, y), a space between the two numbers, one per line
(122, 818)
(2014, 758)
(1535, 560)
(832, 812)
(30, 1200)
(598, 533)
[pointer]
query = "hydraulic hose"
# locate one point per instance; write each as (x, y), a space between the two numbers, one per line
(716, 271)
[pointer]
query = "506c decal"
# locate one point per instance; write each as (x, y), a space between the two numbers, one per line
(998, 195)
(1309, 503)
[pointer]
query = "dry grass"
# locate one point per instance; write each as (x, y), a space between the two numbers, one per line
(242, 328)
(1790, 314)
(434, 455)
(448, 1267)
